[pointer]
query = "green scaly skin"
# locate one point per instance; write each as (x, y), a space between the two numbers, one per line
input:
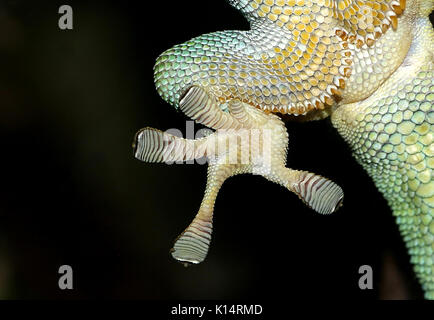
(392, 138)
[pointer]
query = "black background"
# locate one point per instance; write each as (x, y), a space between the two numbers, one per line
(72, 192)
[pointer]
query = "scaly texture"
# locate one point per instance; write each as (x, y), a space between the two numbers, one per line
(391, 133)
(293, 60)
(367, 63)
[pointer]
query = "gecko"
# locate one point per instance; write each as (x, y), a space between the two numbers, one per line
(368, 65)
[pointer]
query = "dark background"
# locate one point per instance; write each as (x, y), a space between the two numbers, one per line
(72, 192)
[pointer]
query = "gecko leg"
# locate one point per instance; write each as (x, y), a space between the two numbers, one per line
(248, 141)
(193, 244)
(319, 193)
(155, 146)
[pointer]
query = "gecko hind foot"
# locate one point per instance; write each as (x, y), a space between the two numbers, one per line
(247, 140)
